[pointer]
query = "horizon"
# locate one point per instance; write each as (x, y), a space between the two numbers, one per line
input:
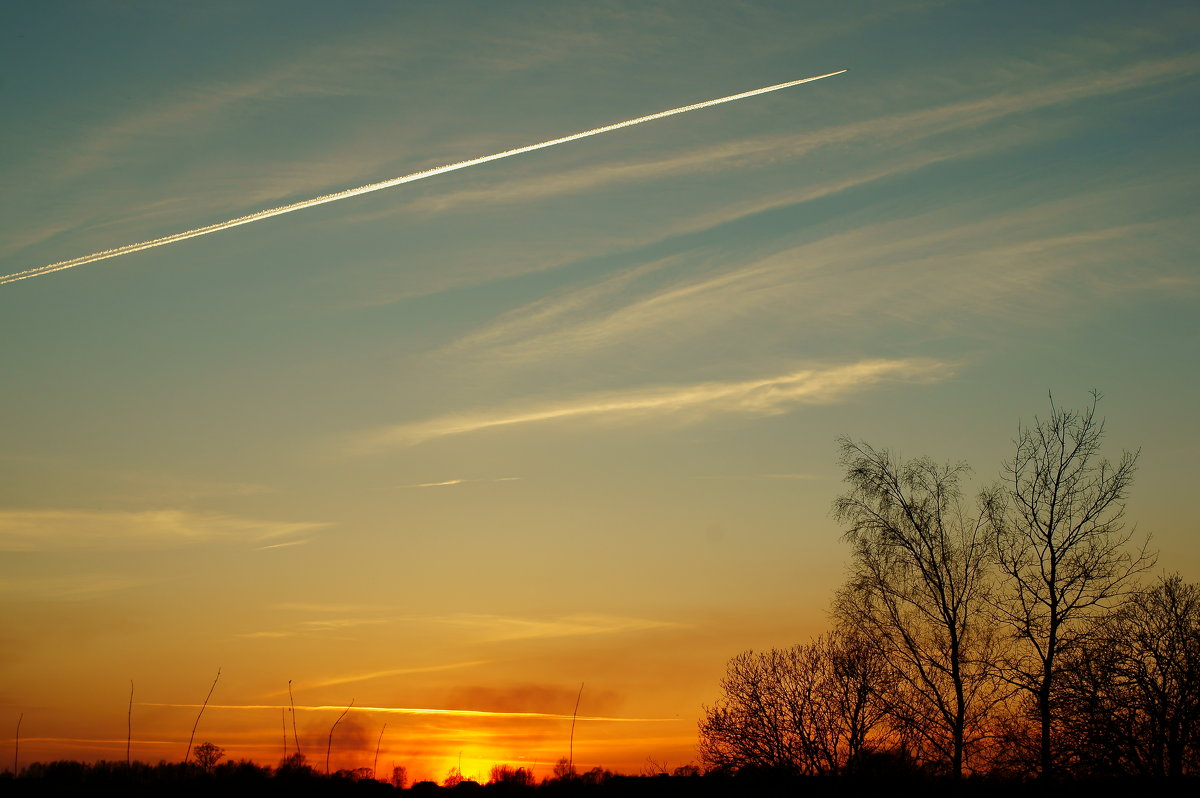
(455, 448)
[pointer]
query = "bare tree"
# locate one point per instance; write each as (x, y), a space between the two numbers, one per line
(1062, 548)
(375, 764)
(295, 734)
(571, 744)
(510, 776)
(1158, 636)
(808, 709)
(17, 746)
(199, 715)
(749, 726)
(454, 777)
(329, 743)
(129, 724)
(1130, 700)
(856, 687)
(208, 754)
(918, 586)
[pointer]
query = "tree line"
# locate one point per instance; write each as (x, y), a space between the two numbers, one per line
(1008, 635)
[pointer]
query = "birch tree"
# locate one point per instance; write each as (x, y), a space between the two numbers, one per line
(1062, 547)
(918, 586)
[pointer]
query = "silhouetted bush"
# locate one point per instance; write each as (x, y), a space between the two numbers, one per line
(888, 774)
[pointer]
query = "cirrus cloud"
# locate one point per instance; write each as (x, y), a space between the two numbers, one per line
(58, 529)
(765, 396)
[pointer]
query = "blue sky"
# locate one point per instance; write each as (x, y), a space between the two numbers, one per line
(590, 393)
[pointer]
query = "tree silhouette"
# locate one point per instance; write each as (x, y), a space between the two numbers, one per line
(919, 581)
(1061, 545)
(510, 776)
(207, 755)
(294, 763)
(564, 768)
(806, 709)
(1129, 696)
(454, 777)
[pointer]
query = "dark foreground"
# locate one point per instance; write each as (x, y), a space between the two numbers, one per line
(234, 779)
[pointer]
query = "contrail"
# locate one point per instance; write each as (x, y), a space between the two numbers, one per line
(354, 192)
(462, 713)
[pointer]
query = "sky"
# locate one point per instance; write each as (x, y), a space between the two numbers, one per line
(567, 418)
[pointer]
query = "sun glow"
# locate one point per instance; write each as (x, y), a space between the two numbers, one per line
(431, 744)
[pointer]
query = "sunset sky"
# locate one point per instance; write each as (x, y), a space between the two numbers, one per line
(569, 417)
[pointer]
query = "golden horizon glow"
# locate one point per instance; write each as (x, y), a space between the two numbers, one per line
(466, 713)
(455, 448)
(426, 753)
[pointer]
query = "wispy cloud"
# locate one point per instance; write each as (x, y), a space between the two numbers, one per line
(69, 587)
(451, 482)
(887, 131)
(49, 530)
(93, 740)
(944, 262)
(549, 312)
(357, 65)
(694, 402)
(334, 607)
(363, 677)
(886, 145)
(315, 627)
(327, 624)
(461, 713)
(499, 628)
(386, 184)
(286, 545)
(334, 69)
(479, 626)
(764, 477)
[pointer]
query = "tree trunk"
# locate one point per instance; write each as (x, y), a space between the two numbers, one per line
(1044, 717)
(960, 707)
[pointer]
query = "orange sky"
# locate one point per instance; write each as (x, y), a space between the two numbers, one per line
(639, 708)
(566, 417)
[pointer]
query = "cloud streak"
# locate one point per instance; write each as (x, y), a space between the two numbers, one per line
(763, 477)
(901, 142)
(317, 626)
(994, 257)
(72, 587)
(309, 606)
(452, 482)
(384, 184)
(887, 132)
(460, 713)
(497, 628)
(363, 677)
(765, 396)
(286, 545)
(47, 530)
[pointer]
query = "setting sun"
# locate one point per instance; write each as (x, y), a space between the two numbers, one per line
(692, 418)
